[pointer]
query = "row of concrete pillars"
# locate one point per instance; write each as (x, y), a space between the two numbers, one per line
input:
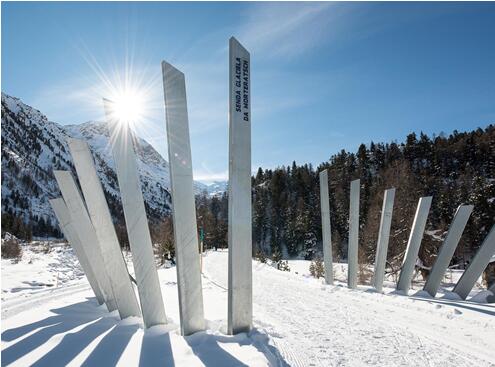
(461, 216)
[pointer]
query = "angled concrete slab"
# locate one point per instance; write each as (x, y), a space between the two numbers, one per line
(240, 299)
(413, 244)
(150, 294)
(477, 265)
(86, 232)
(66, 225)
(101, 218)
(383, 239)
(184, 209)
(326, 227)
(448, 248)
(352, 248)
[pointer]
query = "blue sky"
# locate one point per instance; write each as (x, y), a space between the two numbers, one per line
(325, 76)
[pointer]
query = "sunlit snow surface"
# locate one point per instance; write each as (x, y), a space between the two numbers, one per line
(50, 318)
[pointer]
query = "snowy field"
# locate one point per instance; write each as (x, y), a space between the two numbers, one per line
(50, 318)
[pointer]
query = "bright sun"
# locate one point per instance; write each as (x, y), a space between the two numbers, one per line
(128, 106)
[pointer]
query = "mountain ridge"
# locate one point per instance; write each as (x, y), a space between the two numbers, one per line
(33, 146)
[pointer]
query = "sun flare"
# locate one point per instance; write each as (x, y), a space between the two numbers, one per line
(128, 106)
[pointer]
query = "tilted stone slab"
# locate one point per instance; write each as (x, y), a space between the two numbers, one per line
(101, 218)
(184, 209)
(150, 295)
(86, 232)
(477, 265)
(67, 227)
(383, 239)
(413, 244)
(448, 248)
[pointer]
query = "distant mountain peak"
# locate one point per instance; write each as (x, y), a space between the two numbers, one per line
(33, 146)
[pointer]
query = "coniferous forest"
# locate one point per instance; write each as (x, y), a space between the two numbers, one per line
(454, 169)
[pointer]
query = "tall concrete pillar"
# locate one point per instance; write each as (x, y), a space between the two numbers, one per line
(184, 210)
(105, 231)
(86, 233)
(326, 227)
(413, 244)
(240, 299)
(352, 248)
(65, 224)
(383, 239)
(477, 265)
(150, 294)
(448, 248)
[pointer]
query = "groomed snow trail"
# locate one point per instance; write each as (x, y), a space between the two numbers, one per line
(313, 324)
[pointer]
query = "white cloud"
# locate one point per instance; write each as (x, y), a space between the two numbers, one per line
(286, 29)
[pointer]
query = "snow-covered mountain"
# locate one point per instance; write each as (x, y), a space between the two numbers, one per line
(33, 146)
(216, 188)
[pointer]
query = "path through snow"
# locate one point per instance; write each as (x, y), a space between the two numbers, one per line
(299, 321)
(313, 324)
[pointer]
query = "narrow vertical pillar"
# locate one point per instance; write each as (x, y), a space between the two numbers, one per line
(240, 302)
(383, 239)
(86, 233)
(352, 247)
(448, 248)
(477, 265)
(65, 224)
(326, 227)
(105, 231)
(413, 244)
(150, 294)
(184, 210)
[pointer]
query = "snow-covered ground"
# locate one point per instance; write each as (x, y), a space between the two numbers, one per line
(51, 318)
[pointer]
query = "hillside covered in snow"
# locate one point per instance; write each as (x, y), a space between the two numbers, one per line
(33, 146)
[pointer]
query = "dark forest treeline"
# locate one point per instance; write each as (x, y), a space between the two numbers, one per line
(455, 169)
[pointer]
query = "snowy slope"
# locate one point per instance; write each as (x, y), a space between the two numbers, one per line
(32, 146)
(217, 188)
(298, 321)
(63, 325)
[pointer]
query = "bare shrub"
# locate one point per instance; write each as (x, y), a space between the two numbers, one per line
(11, 249)
(316, 268)
(283, 265)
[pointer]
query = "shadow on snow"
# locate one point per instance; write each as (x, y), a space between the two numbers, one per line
(91, 322)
